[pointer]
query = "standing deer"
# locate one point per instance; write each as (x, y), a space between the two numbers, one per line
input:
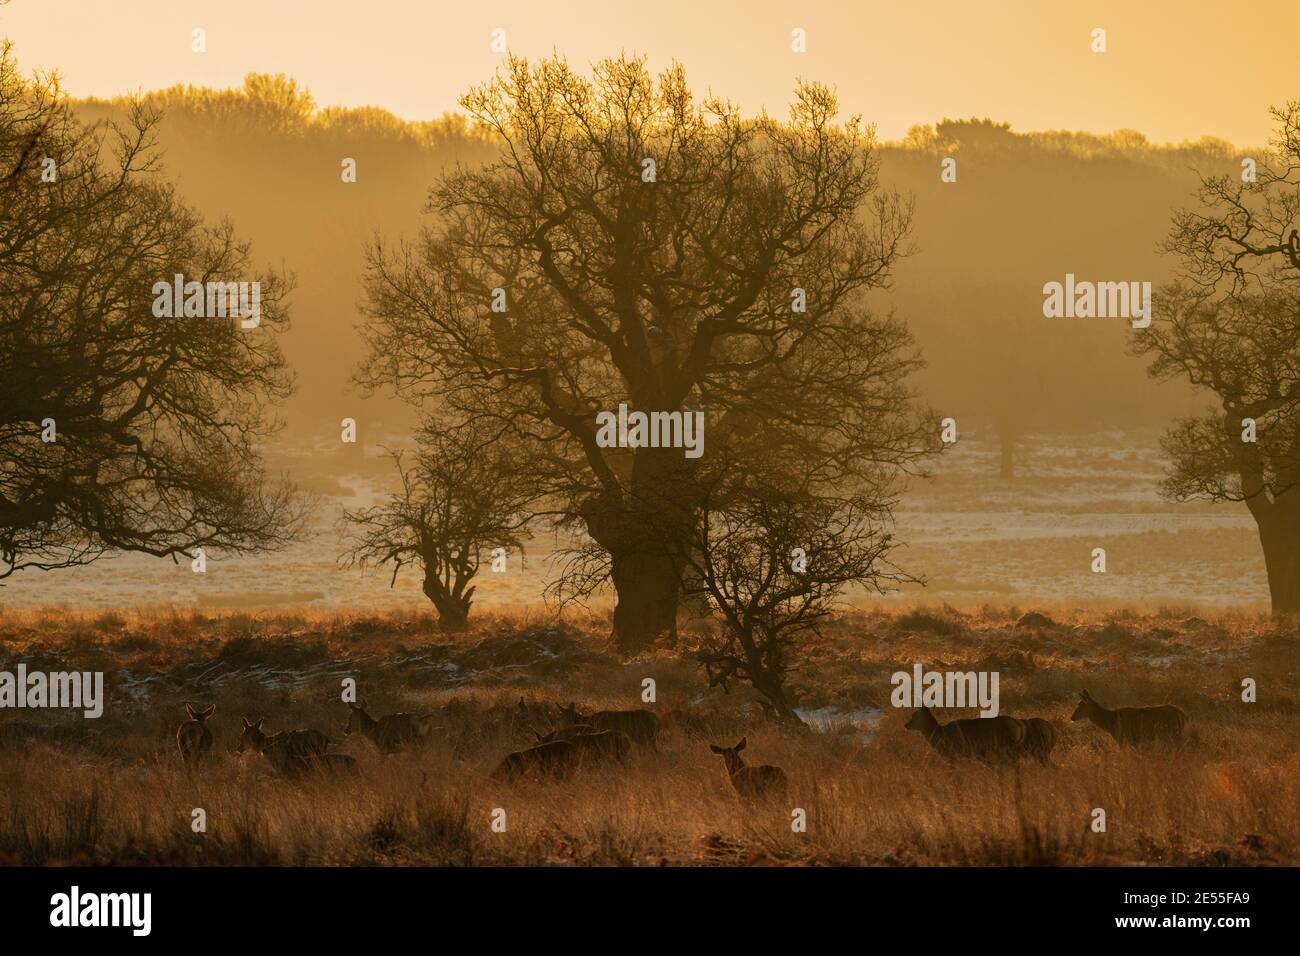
(983, 737)
(640, 726)
(1133, 725)
(291, 752)
(390, 734)
(556, 758)
(193, 737)
(760, 781)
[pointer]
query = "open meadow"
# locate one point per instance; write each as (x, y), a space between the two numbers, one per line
(115, 791)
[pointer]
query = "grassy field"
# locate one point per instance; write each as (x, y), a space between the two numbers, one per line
(113, 790)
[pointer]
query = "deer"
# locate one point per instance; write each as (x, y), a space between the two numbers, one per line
(291, 752)
(1133, 725)
(193, 738)
(529, 714)
(391, 733)
(640, 726)
(532, 710)
(555, 758)
(980, 737)
(751, 782)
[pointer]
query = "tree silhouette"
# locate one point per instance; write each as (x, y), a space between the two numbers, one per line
(461, 498)
(120, 430)
(771, 552)
(655, 252)
(1231, 324)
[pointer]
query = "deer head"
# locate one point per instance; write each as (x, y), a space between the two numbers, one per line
(357, 717)
(570, 713)
(921, 720)
(200, 715)
(1087, 707)
(731, 756)
(251, 738)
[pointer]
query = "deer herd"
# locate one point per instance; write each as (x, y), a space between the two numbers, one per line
(608, 736)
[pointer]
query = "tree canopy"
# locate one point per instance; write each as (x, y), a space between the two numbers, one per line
(632, 245)
(120, 429)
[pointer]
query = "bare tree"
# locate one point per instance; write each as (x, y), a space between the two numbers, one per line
(1231, 325)
(654, 251)
(462, 498)
(120, 430)
(772, 562)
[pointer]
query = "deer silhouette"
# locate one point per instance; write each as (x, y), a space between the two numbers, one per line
(640, 726)
(982, 737)
(193, 738)
(391, 733)
(759, 781)
(1133, 725)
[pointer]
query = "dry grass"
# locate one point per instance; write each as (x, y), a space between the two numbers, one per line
(112, 791)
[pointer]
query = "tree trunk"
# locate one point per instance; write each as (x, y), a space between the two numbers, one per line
(1280, 537)
(774, 691)
(648, 588)
(766, 670)
(646, 551)
(452, 615)
(453, 609)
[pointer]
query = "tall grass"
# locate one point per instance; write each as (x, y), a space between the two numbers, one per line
(113, 791)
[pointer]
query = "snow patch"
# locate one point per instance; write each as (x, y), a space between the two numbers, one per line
(860, 724)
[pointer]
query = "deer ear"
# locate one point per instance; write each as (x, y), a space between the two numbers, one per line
(258, 725)
(716, 749)
(210, 711)
(247, 723)
(741, 745)
(189, 709)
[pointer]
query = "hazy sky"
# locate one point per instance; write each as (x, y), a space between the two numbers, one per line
(1174, 69)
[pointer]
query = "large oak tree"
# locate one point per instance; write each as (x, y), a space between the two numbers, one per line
(664, 253)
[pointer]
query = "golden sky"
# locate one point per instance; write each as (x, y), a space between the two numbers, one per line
(1174, 69)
